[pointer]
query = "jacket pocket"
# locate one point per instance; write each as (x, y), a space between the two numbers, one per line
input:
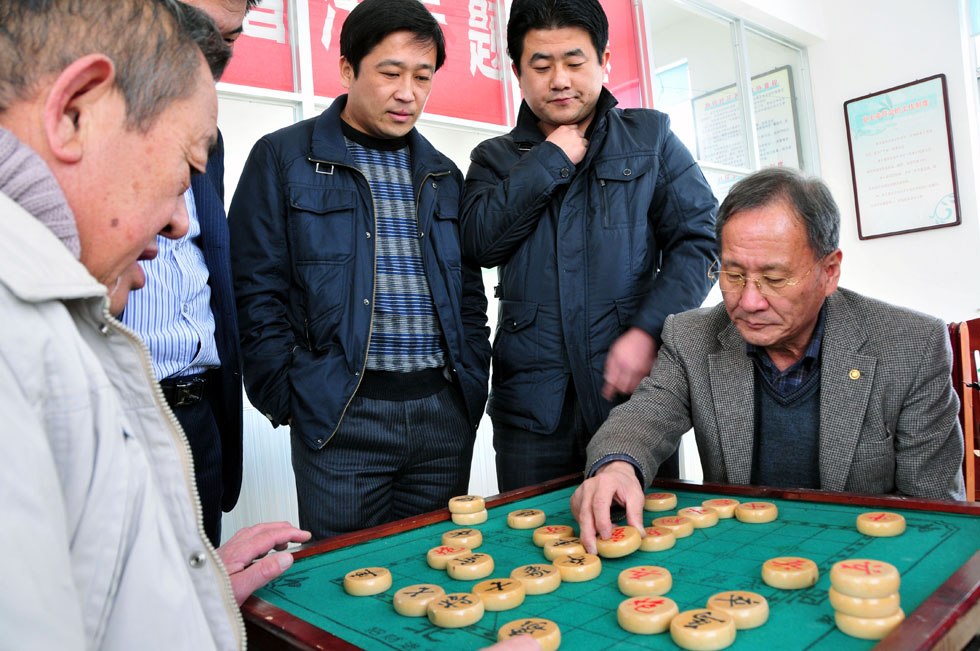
(873, 466)
(516, 344)
(876, 442)
(446, 225)
(625, 189)
(321, 225)
(626, 308)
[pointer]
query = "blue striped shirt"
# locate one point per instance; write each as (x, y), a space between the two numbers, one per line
(172, 313)
(405, 332)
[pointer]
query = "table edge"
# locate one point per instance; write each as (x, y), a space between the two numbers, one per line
(922, 629)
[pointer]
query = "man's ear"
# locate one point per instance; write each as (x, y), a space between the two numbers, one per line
(346, 73)
(831, 269)
(71, 101)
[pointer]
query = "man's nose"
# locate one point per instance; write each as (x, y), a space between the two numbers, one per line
(179, 222)
(752, 299)
(560, 78)
(404, 91)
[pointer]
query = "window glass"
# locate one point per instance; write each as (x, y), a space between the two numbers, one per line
(673, 93)
(695, 81)
(775, 98)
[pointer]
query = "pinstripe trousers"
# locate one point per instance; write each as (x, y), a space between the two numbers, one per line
(388, 460)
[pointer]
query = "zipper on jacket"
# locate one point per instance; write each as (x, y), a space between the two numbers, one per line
(227, 593)
(418, 197)
(374, 289)
(374, 276)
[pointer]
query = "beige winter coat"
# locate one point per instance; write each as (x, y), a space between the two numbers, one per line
(100, 546)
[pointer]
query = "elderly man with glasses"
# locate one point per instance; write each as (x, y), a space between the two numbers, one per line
(791, 382)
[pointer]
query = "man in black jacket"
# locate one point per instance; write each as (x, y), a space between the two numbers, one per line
(600, 224)
(362, 326)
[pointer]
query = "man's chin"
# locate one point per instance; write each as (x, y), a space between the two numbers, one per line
(132, 279)
(761, 336)
(136, 278)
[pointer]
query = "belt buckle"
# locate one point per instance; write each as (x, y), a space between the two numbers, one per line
(187, 392)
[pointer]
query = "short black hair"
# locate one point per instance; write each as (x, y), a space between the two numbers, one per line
(372, 21)
(808, 197)
(526, 15)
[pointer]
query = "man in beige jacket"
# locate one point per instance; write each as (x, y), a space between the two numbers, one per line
(106, 109)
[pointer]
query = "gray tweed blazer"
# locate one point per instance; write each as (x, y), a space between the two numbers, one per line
(888, 413)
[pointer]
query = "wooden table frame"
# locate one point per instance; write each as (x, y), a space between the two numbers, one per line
(965, 338)
(947, 620)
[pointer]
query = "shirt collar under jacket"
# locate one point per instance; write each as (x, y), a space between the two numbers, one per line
(795, 375)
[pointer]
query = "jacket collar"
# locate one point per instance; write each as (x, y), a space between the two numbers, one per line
(35, 265)
(847, 377)
(527, 131)
(327, 143)
(25, 178)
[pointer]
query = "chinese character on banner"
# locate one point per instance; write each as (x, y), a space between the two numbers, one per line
(326, 19)
(469, 85)
(263, 57)
(483, 40)
(623, 71)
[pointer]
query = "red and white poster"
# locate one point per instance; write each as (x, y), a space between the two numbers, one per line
(469, 85)
(623, 70)
(263, 54)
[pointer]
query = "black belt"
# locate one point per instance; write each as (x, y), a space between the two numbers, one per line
(183, 391)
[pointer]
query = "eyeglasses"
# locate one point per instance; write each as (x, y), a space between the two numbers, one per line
(732, 282)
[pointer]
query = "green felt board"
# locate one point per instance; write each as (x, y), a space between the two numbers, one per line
(725, 557)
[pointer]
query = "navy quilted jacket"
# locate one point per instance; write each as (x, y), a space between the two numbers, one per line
(302, 224)
(583, 252)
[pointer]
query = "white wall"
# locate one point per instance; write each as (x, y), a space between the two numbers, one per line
(856, 48)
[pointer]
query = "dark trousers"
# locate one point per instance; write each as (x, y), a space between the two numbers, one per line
(390, 459)
(202, 433)
(527, 458)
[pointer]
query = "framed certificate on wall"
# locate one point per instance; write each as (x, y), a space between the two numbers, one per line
(902, 163)
(720, 132)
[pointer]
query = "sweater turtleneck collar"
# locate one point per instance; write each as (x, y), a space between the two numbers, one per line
(25, 178)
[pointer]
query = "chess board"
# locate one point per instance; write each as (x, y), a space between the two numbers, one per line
(309, 603)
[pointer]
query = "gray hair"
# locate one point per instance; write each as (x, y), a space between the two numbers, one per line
(809, 198)
(155, 46)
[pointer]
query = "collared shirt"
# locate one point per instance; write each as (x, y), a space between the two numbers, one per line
(786, 382)
(172, 313)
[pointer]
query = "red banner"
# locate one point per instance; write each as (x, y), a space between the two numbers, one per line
(623, 70)
(469, 85)
(263, 55)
